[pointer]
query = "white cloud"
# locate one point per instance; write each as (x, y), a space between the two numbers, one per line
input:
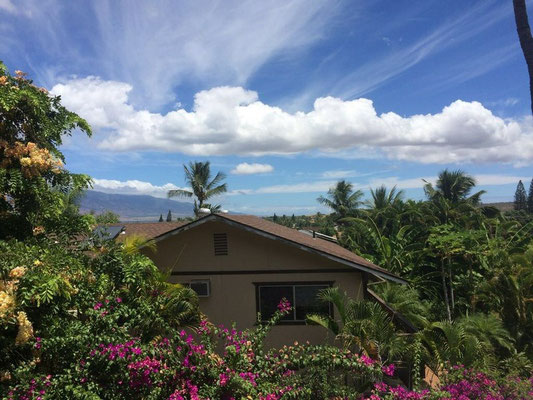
(8, 6)
(496, 179)
(158, 46)
(389, 182)
(508, 102)
(254, 168)
(322, 186)
(366, 77)
(338, 174)
(132, 187)
(306, 187)
(417, 183)
(279, 210)
(232, 120)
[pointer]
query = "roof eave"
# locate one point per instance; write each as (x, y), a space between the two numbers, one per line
(211, 217)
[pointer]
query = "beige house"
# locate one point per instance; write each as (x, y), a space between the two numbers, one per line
(242, 265)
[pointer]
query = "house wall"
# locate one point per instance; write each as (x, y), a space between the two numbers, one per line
(251, 259)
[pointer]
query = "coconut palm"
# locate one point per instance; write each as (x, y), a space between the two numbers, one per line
(342, 200)
(454, 186)
(198, 177)
(383, 198)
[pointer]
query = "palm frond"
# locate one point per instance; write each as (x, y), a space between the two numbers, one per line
(179, 193)
(325, 322)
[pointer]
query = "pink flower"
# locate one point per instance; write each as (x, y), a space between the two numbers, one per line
(388, 370)
(284, 306)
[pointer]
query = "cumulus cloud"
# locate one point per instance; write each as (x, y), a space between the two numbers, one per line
(132, 187)
(232, 120)
(254, 168)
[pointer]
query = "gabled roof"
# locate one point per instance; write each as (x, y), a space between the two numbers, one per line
(148, 230)
(271, 230)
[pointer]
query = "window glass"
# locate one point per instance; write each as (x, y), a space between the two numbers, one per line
(269, 298)
(307, 302)
(200, 287)
(303, 298)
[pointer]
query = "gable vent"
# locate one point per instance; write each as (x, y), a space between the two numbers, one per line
(220, 241)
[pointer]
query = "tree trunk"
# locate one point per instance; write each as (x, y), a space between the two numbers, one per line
(526, 40)
(450, 277)
(445, 290)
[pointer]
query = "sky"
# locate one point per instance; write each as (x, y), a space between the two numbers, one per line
(285, 97)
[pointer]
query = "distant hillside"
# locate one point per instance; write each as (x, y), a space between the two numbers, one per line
(502, 206)
(133, 207)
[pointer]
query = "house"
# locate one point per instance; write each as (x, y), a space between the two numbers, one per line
(242, 265)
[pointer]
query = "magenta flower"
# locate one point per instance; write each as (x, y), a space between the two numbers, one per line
(284, 306)
(388, 370)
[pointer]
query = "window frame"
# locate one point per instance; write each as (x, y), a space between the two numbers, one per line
(206, 281)
(294, 284)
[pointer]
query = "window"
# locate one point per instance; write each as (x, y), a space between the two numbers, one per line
(201, 287)
(302, 296)
(220, 242)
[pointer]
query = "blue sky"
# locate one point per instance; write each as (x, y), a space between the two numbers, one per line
(286, 97)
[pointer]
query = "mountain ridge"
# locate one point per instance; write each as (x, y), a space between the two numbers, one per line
(132, 207)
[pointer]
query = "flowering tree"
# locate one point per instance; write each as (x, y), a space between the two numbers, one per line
(33, 181)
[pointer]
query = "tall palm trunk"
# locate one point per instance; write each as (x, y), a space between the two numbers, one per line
(445, 290)
(526, 40)
(450, 277)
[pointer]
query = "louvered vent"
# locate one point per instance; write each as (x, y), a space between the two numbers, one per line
(220, 241)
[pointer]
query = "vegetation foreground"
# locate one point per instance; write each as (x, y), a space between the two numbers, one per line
(82, 318)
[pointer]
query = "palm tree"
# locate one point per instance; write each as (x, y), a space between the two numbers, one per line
(454, 186)
(198, 176)
(406, 301)
(383, 199)
(362, 326)
(342, 200)
(472, 341)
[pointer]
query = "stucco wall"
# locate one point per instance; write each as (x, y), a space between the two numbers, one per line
(233, 296)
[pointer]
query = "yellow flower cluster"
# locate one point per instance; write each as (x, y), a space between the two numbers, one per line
(25, 331)
(3, 80)
(7, 303)
(38, 230)
(17, 272)
(33, 160)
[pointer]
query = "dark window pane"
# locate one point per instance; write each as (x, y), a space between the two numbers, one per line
(200, 287)
(269, 298)
(307, 301)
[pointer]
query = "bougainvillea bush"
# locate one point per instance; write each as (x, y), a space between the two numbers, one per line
(103, 323)
(57, 301)
(461, 383)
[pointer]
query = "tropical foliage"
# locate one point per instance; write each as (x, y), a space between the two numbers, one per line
(35, 188)
(470, 270)
(86, 318)
(198, 177)
(342, 200)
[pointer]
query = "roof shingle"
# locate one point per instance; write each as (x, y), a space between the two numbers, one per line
(301, 238)
(160, 229)
(149, 230)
